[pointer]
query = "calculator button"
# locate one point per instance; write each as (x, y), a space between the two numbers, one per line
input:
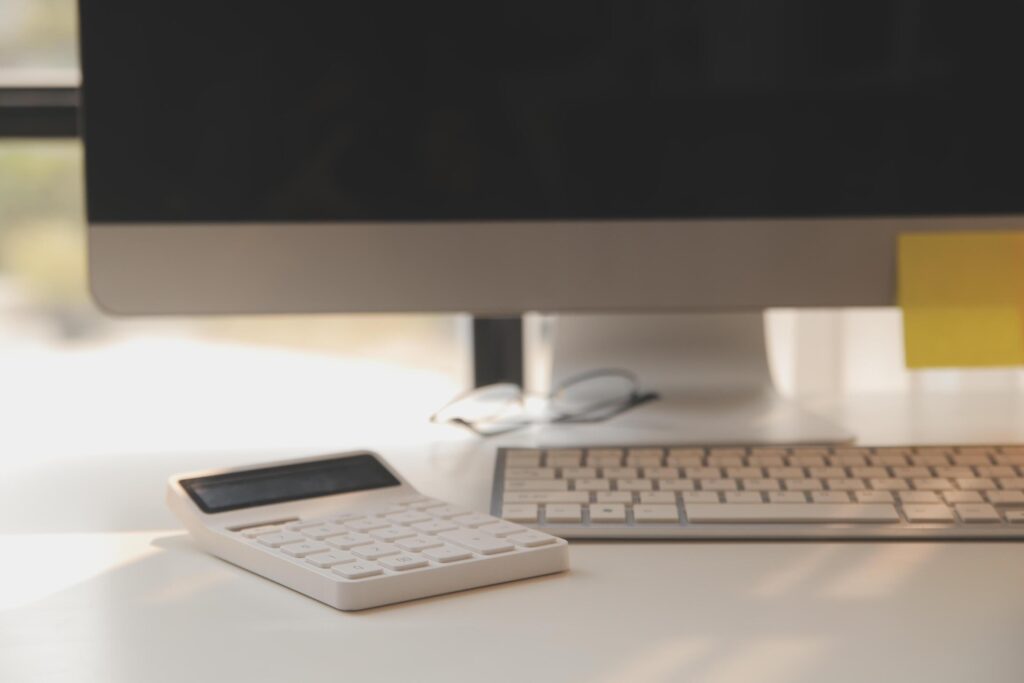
(485, 544)
(367, 524)
(501, 528)
(349, 540)
(253, 532)
(531, 539)
(435, 526)
(403, 561)
(446, 511)
(521, 512)
(374, 550)
(329, 559)
(474, 519)
(447, 553)
(322, 531)
(392, 533)
(304, 548)
(357, 570)
(418, 543)
(280, 538)
(410, 517)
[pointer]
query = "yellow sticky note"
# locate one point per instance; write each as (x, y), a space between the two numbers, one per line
(962, 296)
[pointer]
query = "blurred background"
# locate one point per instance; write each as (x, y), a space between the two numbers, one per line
(75, 381)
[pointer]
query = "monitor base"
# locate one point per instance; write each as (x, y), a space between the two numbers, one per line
(710, 370)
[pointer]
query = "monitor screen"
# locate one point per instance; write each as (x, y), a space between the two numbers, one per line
(361, 110)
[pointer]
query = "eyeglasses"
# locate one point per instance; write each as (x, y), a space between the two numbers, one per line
(592, 396)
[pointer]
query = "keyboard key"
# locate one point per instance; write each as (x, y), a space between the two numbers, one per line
(447, 553)
(349, 540)
(592, 485)
(434, 526)
(579, 473)
(1011, 484)
(766, 461)
(484, 544)
(624, 497)
(869, 472)
(374, 550)
(473, 519)
(705, 497)
(829, 472)
(971, 460)
(304, 548)
(786, 472)
(743, 497)
(658, 498)
(500, 529)
(633, 485)
(761, 485)
(608, 514)
(791, 513)
(403, 561)
(519, 512)
(675, 484)
(977, 512)
(845, 484)
(805, 461)
(744, 472)
(530, 473)
(522, 457)
(830, 496)
(418, 543)
(357, 570)
(548, 497)
(275, 540)
(329, 559)
(620, 473)
(661, 472)
(604, 457)
(787, 497)
(954, 472)
(655, 513)
(873, 497)
(531, 539)
(537, 484)
(1015, 516)
(848, 460)
(565, 457)
(644, 457)
(685, 457)
(929, 497)
(909, 472)
(718, 484)
(889, 484)
(962, 497)
(1002, 498)
(934, 484)
(565, 512)
(974, 484)
(991, 471)
(928, 513)
(802, 484)
(703, 473)
(392, 533)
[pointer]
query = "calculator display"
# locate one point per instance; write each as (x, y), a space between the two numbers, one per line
(238, 490)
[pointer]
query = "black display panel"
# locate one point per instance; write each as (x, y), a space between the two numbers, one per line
(237, 490)
(523, 109)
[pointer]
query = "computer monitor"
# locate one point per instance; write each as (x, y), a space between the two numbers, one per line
(501, 157)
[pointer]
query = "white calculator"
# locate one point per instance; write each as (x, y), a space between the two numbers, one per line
(347, 530)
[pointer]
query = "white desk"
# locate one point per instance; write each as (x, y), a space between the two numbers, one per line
(102, 588)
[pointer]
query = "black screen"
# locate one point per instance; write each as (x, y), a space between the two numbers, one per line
(237, 490)
(520, 109)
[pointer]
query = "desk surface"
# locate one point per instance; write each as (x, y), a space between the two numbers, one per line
(99, 586)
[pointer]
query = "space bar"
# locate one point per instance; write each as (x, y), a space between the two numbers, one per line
(791, 512)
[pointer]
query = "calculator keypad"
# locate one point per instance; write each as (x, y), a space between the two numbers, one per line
(416, 534)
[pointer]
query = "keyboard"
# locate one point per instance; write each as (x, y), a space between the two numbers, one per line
(953, 492)
(355, 549)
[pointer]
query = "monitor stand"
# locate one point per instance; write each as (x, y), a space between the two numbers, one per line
(710, 370)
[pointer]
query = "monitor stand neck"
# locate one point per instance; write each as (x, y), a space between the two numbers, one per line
(710, 369)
